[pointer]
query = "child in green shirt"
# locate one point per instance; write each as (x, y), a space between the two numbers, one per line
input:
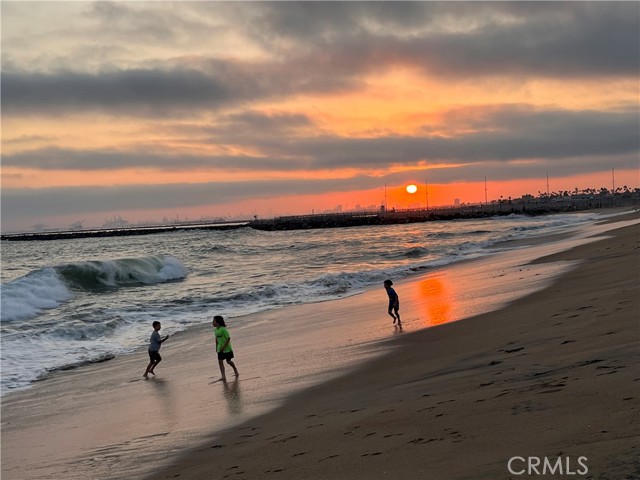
(223, 345)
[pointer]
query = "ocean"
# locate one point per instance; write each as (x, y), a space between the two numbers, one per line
(67, 303)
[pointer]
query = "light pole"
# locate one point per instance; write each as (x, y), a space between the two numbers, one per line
(426, 192)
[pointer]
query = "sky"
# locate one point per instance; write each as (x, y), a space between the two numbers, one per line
(189, 110)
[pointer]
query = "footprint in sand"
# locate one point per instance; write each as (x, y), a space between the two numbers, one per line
(421, 441)
(328, 458)
(284, 440)
(428, 409)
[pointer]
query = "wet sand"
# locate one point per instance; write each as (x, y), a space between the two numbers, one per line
(552, 374)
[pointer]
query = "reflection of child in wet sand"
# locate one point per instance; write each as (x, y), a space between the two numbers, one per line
(223, 345)
(394, 302)
(154, 349)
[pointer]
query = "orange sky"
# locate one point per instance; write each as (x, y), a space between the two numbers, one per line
(309, 111)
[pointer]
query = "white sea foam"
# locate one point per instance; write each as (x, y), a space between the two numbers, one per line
(27, 296)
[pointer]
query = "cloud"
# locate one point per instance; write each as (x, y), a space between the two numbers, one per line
(144, 91)
(325, 47)
(592, 39)
(80, 200)
(495, 133)
(18, 204)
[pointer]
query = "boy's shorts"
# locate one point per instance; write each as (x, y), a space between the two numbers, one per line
(154, 356)
(225, 355)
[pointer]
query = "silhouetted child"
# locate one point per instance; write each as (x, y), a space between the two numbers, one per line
(394, 302)
(154, 349)
(223, 345)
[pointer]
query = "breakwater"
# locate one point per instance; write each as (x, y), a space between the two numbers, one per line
(118, 232)
(534, 206)
(458, 212)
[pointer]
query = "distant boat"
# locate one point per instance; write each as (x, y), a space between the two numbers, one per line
(77, 225)
(39, 227)
(118, 222)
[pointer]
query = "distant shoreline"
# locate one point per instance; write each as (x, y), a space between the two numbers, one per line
(119, 232)
(346, 219)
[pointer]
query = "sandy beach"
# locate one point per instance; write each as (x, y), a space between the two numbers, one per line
(551, 374)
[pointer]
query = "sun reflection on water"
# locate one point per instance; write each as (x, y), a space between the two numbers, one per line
(438, 298)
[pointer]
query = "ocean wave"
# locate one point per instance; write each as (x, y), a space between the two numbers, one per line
(39, 290)
(81, 330)
(50, 287)
(416, 252)
(440, 235)
(101, 274)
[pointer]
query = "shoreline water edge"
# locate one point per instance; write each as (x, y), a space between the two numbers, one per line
(366, 407)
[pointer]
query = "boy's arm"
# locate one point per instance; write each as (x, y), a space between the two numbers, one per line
(225, 344)
(163, 339)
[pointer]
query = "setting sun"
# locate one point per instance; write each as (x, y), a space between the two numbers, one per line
(412, 189)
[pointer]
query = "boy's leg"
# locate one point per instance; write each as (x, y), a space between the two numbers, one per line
(230, 362)
(221, 363)
(154, 364)
(397, 310)
(390, 312)
(146, 372)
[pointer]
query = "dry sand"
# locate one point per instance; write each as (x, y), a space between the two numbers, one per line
(554, 374)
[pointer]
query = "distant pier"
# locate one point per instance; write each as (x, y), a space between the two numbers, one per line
(121, 232)
(534, 206)
(394, 217)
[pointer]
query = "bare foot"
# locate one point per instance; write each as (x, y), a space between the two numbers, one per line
(152, 373)
(146, 376)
